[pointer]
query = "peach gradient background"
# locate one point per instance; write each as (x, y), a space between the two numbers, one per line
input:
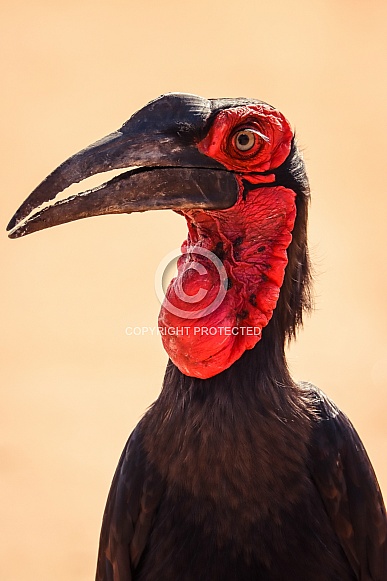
(73, 384)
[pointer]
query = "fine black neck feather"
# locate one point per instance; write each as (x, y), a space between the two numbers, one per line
(295, 296)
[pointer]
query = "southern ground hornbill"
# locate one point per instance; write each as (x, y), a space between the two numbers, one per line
(236, 472)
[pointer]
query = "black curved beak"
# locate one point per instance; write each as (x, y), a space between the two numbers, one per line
(167, 171)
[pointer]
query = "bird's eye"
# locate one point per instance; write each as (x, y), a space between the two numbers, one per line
(244, 139)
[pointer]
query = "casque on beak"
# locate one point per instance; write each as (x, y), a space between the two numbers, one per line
(167, 171)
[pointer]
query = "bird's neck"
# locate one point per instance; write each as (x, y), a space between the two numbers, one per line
(200, 431)
(229, 280)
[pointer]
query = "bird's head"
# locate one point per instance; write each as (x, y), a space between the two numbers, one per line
(232, 168)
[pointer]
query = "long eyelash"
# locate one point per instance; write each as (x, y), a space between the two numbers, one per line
(261, 135)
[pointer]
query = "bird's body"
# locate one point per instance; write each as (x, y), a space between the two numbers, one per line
(236, 473)
(234, 483)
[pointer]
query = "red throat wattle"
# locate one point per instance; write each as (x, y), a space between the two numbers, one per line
(233, 263)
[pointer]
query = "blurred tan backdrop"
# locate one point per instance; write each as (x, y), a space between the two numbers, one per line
(73, 384)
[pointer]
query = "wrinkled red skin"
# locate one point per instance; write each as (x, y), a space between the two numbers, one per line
(251, 239)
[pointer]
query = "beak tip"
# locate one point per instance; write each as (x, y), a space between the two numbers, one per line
(11, 224)
(15, 228)
(14, 234)
(18, 233)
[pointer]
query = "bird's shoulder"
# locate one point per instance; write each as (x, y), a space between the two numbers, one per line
(133, 499)
(343, 474)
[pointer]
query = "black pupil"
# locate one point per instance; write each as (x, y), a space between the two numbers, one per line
(243, 139)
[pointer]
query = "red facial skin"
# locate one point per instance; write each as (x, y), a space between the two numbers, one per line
(251, 239)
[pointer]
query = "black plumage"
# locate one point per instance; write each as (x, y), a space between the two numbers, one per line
(221, 481)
